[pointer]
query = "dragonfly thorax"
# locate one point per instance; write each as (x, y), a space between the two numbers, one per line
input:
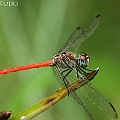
(64, 55)
(64, 58)
(83, 60)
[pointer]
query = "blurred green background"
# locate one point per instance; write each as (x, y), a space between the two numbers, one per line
(34, 31)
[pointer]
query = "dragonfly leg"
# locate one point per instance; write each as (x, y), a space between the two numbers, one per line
(86, 69)
(65, 80)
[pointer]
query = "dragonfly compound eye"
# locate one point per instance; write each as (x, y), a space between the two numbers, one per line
(83, 60)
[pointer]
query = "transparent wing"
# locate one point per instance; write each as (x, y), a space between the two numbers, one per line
(98, 99)
(79, 101)
(57, 71)
(80, 35)
(70, 77)
(73, 36)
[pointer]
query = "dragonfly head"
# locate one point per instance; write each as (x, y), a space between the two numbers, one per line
(83, 60)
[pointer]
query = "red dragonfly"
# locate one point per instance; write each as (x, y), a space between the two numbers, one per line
(67, 68)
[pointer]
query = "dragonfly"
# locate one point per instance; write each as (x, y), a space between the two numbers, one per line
(67, 68)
